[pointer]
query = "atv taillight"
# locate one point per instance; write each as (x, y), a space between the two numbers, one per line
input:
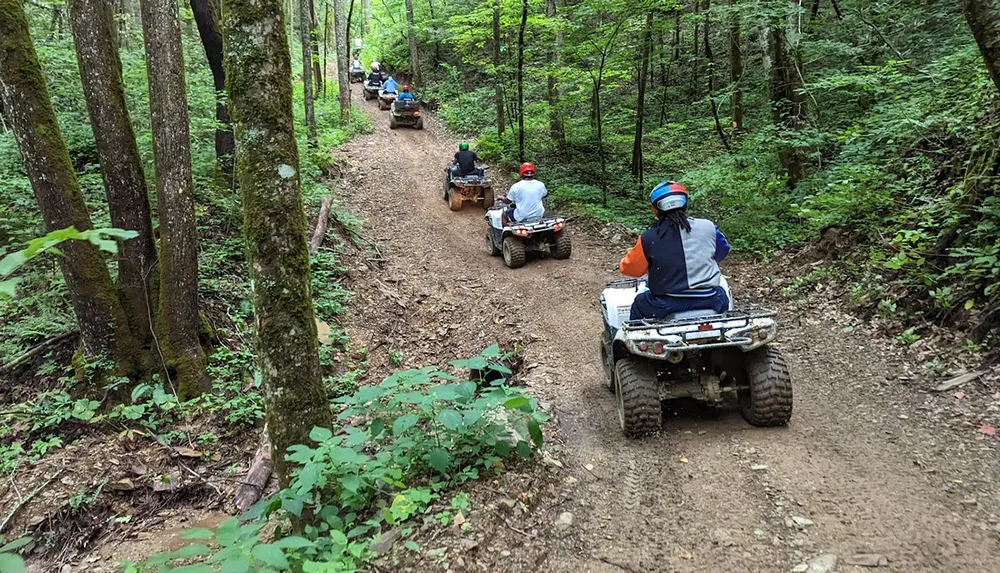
(657, 348)
(763, 334)
(559, 226)
(704, 327)
(643, 347)
(521, 232)
(416, 112)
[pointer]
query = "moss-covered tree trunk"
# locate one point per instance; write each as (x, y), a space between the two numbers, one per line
(258, 79)
(178, 317)
(121, 165)
(104, 329)
(411, 37)
(305, 36)
(207, 17)
(984, 19)
(735, 69)
(343, 80)
(788, 103)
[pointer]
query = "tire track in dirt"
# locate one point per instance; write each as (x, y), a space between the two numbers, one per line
(689, 499)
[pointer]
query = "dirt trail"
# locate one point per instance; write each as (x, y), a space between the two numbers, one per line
(710, 493)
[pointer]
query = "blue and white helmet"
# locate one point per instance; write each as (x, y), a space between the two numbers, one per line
(668, 195)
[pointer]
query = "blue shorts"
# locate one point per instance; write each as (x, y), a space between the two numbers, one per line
(510, 213)
(647, 305)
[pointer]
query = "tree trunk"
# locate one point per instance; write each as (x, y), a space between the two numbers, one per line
(984, 19)
(556, 130)
(55, 25)
(735, 70)
(788, 103)
(366, 7)
(711, 76)
(343, 81)
(179, 321)
(520, 81)
(350, 14)
(121, 165)
(314, 43)
(104, 329)
(305, 36)
(411, 37)
(640, 105)
(497, 84)
(695, 62)
(260, 95)
(326, 41)
(207, 17)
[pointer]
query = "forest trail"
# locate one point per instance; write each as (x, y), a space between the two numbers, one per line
(862, 468)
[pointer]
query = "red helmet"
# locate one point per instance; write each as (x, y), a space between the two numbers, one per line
(406, 87)
(527, 169)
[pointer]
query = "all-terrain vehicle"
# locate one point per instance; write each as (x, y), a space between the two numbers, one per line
(475, 187)
(406, 113)
(696, 354)
(357, 74)
(546, 234)
(385, 98)
(371, 90)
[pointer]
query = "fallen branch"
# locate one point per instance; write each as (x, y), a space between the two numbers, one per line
(36, 351)
(28, 497)
(321, 223)
(622, 566)
(260, 471)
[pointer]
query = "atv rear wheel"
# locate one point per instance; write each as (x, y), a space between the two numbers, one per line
(513, 253)
(768, 401)
(454, 200)
(392, 122)
(563, 246)
(420, 123)
(488, 198)
(639, 411)
(491, 247)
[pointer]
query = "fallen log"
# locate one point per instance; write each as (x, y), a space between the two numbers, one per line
(260, 472)
(321, 223)
(31, 353)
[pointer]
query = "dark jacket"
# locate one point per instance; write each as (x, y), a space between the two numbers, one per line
(466, 162)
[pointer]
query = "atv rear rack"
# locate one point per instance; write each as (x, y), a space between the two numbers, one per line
(745, 313)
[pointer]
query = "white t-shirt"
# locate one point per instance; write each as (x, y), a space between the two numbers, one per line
(527, 196)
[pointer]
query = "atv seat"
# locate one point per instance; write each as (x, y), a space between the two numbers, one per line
(692, 314)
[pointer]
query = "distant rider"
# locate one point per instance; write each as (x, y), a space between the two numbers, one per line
(405, 94)
(390, 85)
(375, 78)
(356, 65)
(525, 197)
(466, 161)
(681, 255)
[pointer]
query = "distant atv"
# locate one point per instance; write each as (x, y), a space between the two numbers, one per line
(406, 113)
(357, 74)
(696, 354)
(385, 99)
(547, 234)
(475, 187)
(371, 90)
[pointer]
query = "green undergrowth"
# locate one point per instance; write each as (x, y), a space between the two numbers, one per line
(399, 447)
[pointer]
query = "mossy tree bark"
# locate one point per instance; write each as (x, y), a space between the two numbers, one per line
(305, 35)
(258, 76)
(411, 37)
(121, 165)
(343, 80)
(788, 103)
(735, 70)
(178, 317)
(104, 329)
(984, 19)
(207, 17)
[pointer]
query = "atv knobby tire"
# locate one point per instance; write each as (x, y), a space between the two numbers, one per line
(639, 410)
(768, 401)
(392, 122)
(491, 247)
(513, 253)
(381, 104)
(454, 199)
(419, 124)
(607, 366)
(563, 246)
(488, 198)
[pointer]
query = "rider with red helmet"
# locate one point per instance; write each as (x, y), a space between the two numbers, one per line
(525, 197)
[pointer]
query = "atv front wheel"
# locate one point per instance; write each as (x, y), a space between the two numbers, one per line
(768, 401)
(563, 246)
(513, 253)
(639, 411)
(454, 200)
(491, 247)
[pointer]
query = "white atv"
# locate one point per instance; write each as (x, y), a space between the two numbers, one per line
(696, 354)
(544, 234)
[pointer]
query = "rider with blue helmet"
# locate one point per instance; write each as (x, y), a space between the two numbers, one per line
(681, 256)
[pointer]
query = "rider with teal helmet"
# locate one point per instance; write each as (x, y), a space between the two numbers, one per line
(681, 255)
